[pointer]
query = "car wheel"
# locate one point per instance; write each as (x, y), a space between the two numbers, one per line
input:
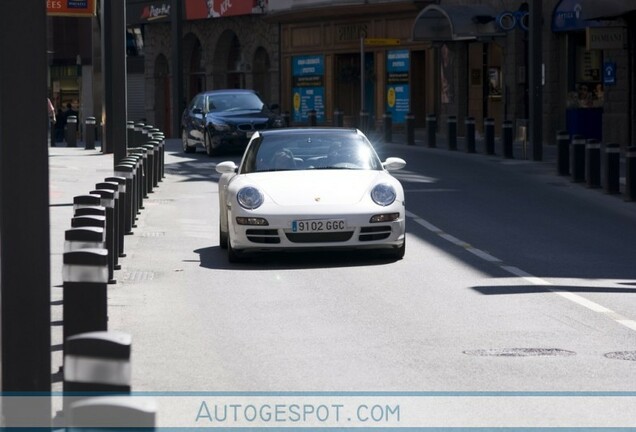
(233, 255)
(398, 253)
(222, 238)
(184, 142)
(208, 145)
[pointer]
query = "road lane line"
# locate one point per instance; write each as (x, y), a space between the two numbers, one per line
(534, 280)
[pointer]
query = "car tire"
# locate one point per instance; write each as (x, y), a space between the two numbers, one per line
(398, 253)
(184, 142)
(233, 255)
(223, 240)
(209, 150)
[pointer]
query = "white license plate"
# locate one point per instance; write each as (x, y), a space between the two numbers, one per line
(318, 225)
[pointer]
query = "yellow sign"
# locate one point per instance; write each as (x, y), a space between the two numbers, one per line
(381, 41)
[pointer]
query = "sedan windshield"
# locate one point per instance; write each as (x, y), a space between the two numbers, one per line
(310, 151)
(234, 102)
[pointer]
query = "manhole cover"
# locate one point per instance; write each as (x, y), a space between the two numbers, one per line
(622, 355)
(520, 352)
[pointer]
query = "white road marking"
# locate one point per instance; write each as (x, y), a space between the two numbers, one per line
(515, 271)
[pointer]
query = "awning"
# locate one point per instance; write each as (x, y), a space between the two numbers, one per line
(571, 15)
(455, 23)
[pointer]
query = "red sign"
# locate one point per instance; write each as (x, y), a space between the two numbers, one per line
(73, 8)
(203, 9)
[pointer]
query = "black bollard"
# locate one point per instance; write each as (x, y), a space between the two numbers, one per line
(451, 123)
(114, 187)
(611, 169)
(86, 200)
(121, 210)
(470, 134)
(311, 117)
(83, 238)
(162, 153)
(338, 118)
(410, 128)
(388, 126)
(630, 174)
(96, 363)
(142, 155)
(71, 131)
(113, 413)
(506, 134)
(139, 126)
(126, 171)
(156, 161)
(563, 153)
(593, 163)
(108, 201)
(89, 133)
(130, 133)
(577, 159)
(431, 130)
(90, 211)
(85, 276)
(489, 135)
(149, 172)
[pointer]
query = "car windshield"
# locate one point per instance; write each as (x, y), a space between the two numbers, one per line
(234, 102)
(310, 151)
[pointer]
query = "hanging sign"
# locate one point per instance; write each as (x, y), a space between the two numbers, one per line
(71, 8)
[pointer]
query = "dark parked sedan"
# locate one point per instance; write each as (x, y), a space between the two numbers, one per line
(225, 120)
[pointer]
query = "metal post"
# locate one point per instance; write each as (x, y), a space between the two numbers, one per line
(410, 128)
(470, 134)
(85, 276)
(127, 171)
(71, 131)
(507, 139)
(489, 135)
(451, 122)
(311, 117)
(431, 130)
(108, 201)
(138, 134)
(338, 118)
(149, 172)
(89, 133)
(121, 210)
(611, 169)
(388, 126)
(593, 163)
(117, 204)
(130, 133)
(577, 159)
(563, 153)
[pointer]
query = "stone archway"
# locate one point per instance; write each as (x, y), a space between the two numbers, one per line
(162, 94)
(229, 63)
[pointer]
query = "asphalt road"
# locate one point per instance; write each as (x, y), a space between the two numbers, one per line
(514, 279)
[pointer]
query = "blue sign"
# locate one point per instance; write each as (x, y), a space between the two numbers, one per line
(567, 17)
(397, 87)
(609, 73)
(308, 87)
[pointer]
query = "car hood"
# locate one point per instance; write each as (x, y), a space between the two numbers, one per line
(308, 187)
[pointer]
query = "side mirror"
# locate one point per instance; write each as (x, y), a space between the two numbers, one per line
(393, 164)
(227, 167)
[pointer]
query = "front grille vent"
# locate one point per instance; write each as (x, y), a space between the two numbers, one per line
(374, 233)
(332, 237)
(263, 236)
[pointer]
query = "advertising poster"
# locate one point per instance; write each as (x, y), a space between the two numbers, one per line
(308, 87)
(397, 86)
(203, 9)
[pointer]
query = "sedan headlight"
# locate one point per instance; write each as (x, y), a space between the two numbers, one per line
(221, 127)
(249, 198)
(383, 194)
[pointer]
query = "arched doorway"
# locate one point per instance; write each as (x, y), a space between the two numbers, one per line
(261, 74)
(162, 94)
(229, 63)
(193, 67)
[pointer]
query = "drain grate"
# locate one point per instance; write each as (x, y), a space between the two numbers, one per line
(622, 355)
(138, 276)
(153, 234)
(520, 352)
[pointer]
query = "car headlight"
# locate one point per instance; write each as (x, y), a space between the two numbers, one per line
(249, 197)
(383, 194)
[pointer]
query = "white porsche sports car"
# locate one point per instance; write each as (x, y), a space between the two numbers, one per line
(309, 189)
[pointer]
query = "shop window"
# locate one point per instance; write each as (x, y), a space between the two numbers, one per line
(586, 90)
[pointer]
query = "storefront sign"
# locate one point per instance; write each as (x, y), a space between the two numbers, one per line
(567, 17)
(351, 32)
(203, 9)
(148, 12)
(609, 73)
(74, 8)
(308, 88)
(606, 38)
(397, 85)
